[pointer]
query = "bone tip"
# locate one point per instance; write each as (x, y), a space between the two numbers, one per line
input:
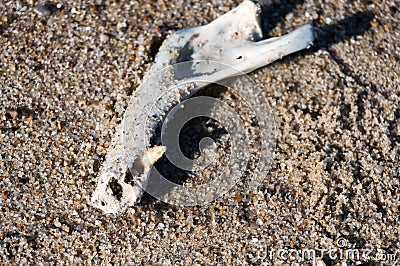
(308, 31)
(155, 153)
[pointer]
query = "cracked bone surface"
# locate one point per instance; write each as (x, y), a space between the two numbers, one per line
(234, 40)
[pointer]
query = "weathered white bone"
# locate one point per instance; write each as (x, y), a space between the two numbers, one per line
(233, 39)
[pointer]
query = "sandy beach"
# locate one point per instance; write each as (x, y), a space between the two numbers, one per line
(67, 71)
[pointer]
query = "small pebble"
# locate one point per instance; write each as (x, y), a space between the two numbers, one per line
(122, 26)
(183, 252)
(65, 228)
(160, 226)
(57, 223)
(104, 37)
(46, 9)
(289, 16)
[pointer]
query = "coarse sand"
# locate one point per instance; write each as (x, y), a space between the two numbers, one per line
(67, 70)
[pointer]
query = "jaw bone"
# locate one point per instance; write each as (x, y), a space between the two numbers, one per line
(233, 40)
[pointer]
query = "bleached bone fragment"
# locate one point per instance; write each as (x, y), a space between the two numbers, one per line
(234, 40)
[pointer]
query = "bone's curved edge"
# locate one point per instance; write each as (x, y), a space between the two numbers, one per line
(117, 159)
(221, 39)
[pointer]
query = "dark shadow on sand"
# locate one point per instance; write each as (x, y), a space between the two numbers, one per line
(326, 36)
